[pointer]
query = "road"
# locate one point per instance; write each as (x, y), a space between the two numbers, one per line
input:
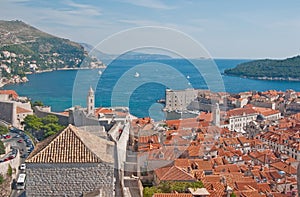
(21, 147)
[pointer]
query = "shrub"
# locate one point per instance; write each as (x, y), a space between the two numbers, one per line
(9, 170)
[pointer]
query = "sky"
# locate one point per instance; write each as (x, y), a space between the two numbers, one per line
(225, 28)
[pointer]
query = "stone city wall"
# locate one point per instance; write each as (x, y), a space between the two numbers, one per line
(68, 179)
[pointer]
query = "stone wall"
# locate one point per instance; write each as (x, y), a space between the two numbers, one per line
(62, 119)
(6, 111)
(78, 118)
(14, 163)
(69, 179)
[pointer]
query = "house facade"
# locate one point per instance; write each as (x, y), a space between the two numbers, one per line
(71, 163)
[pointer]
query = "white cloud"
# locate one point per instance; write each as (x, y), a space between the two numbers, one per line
(83, 9)
(154, 4)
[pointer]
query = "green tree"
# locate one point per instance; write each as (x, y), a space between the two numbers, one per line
(3, 130)
(9, 170)
(168, 187)
(149, 191)
(37, 103)
(32, 123)
(50, 119)
(2, 148)
(51, 129)
(1, 179)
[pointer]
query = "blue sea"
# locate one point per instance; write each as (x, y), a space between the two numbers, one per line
(138, 84)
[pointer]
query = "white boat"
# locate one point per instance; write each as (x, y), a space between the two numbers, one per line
(137, 74)
(188, 77)
(100, 72)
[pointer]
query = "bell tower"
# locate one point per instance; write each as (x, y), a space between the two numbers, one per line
(216, 114)
(90, 102)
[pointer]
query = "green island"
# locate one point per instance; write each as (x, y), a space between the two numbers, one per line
(268, 69)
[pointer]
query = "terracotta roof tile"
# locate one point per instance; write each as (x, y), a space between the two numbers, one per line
(264, 187)
(287, 168)
(240, 111)
(71, 146)
(21, 110)
(12, 93)
(148, 139)
(173, 174)
(172, 195)
(103, 111)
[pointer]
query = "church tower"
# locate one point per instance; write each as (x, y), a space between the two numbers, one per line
(216, 115)
(90, 102)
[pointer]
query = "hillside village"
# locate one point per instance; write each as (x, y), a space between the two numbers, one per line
(244, 144)
(25, 50)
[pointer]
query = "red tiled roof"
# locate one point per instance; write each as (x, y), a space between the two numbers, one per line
(172, 195)
(103, 111)
(148, 139)
(21, 110)
(173, 174)
(287, 168)
(10, 92)
(182, 163)
(227, 168)
(265, 111)
(240, 112)
(264, 187)
(65, 113)
(71, 145)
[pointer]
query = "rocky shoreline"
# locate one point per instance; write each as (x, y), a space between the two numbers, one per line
(266, 78)
(17, 79)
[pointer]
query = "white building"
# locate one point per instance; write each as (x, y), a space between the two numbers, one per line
(240, 117)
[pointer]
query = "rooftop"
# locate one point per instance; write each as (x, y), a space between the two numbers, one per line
(72, 145)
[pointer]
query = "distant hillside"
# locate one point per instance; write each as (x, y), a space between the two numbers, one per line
(127, 56)
(287, 69)
(24, 48)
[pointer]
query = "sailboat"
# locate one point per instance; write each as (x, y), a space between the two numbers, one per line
(137, 74)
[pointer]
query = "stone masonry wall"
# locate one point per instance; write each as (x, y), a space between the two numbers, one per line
(68, 179)
(62, 119)
(6, 111)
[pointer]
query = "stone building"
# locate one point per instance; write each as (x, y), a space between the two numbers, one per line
(13, 109)
(71, 163)
(239, 118)
(179, 99)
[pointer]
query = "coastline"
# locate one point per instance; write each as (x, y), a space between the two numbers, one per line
(266, 78)
(25, 79)
(79, 68)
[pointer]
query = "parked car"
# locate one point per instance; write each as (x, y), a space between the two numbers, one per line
(30, 149)
(17, 136)
(11, 157)
(20, 141)
(6, 136)
(14, 151)
(14, 130)
(25, 155)
(23, 166)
